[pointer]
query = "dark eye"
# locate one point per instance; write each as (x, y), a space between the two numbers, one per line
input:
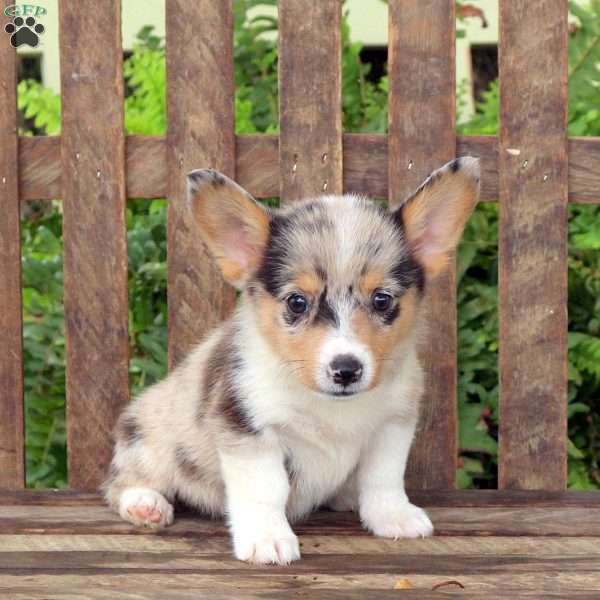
(381, 301)
(297, 304)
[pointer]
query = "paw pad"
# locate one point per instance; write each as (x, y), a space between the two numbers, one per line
(24, 31)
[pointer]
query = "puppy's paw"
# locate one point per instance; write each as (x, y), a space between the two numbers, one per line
(145, 507)
(278, 546)
(399, 519)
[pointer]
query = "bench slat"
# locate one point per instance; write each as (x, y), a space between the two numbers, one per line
(310, 143)
(95, 242)
(12, 469)
(421, 138)
(533, 245)
(201, 134)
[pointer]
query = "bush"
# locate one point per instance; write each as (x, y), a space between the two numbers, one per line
(364, 109)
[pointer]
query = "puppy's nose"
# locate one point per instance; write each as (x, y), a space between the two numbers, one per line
(345, 369)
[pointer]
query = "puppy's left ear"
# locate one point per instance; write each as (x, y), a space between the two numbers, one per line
(232, 224)
(435, 215)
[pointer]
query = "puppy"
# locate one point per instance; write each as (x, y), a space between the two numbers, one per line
(309, 394)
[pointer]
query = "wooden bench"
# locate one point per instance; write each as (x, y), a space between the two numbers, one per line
(530, 537)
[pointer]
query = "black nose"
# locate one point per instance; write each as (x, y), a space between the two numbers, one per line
(345, 369)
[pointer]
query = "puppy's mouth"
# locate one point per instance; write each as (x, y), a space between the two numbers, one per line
(339, 391)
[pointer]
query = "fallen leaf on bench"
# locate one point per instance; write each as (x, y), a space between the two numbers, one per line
(403, 584)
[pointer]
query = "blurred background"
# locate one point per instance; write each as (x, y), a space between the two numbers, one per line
(364, 110)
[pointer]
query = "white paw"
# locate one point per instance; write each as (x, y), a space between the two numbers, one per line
(278, 547)
(400, 519)
(145, 507)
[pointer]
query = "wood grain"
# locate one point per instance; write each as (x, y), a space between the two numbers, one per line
(257, 166)
(247, 583)
(421, 138)
(95, 242)
(533, 245)
(12, 462)
(427, 498)
(448, 521)
(310, 98)
(200, 108)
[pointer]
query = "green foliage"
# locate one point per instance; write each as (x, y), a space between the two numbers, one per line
(364, 110)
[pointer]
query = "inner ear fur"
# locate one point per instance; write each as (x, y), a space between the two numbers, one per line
(435, 215)
(233, 225)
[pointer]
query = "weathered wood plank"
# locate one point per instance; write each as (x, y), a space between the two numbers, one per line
(246, 585)
(223, 564)
(12, 461)
(547, 547)
(310, 98)
(448, 521)
(421, 138)
(95, 236)
(201, 126)
(257, 166)
(533, 245)
(428, 498)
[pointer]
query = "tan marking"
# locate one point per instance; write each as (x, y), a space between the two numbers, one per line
(300, 348)
(309, 283)
(370, 281)
(382, 339)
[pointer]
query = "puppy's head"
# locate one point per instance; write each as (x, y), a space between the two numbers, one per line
(336, 282)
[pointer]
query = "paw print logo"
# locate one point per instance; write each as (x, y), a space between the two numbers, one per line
(24, 31)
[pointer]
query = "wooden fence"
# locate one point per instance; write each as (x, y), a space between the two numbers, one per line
(531, 168)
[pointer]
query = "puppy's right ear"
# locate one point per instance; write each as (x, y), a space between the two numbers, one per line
(232, 224)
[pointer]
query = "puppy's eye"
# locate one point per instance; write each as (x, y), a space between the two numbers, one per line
(297, 304)
(381, 301)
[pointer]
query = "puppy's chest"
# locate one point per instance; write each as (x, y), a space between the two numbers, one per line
(319, 460)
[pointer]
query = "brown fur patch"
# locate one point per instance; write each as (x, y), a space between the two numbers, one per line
(219, 392)
(127, 430)
(381, 340)
(188, 467)
(299, 349)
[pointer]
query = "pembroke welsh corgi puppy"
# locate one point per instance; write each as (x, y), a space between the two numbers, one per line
(309, 394)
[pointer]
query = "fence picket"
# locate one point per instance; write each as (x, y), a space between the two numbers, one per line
(533, 245)
(310, 101)
(421, 138)
(201, 134)
(12, 469)
(95, 242)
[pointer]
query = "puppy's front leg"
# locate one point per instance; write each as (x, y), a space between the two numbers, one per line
(384, 507)
(257, 489)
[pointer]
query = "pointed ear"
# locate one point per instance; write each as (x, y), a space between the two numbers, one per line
(435, 215)
(232, 224)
